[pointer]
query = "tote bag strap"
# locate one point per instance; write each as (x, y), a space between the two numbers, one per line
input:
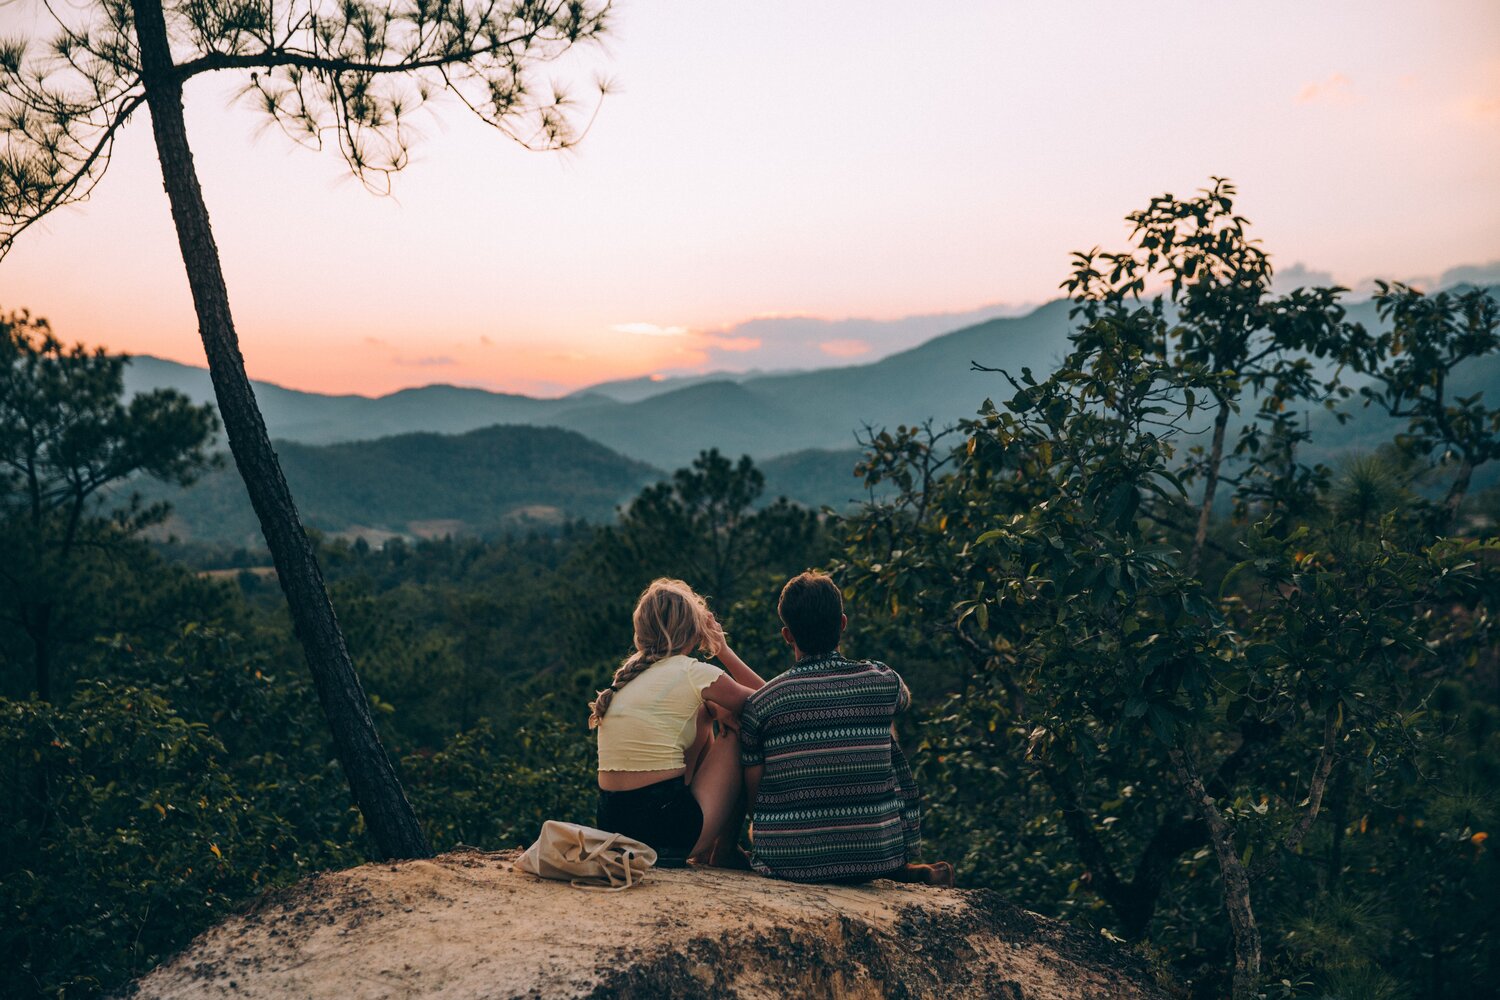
(619, 880)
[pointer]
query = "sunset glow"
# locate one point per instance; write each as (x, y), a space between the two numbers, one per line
(874, 168)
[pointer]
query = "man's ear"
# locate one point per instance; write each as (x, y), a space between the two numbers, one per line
(786, 635)
(843, 623)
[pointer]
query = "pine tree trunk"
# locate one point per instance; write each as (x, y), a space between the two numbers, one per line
(373, 781)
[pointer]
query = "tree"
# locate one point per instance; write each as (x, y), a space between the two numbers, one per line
(69, 443)
(355, 70)
(702, 525)
(1226, 327)
(1157, 717)
(1415, 364)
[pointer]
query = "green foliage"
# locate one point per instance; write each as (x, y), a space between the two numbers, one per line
(69, 445)
(493, 788)
(706, 526)
(140, 812)
(1321, 679)
(1156, 723)
(1414, 364)
(703, 526)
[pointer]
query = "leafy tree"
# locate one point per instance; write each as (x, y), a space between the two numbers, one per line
(1223, 324)
(192, 780)
(703, 525)
(1414, 363)
(1161, 723)
(69, 446)
(493, 787)
(354, 71)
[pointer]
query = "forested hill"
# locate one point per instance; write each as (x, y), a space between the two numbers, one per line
(423, 484)
(763, 415)
(478, 484)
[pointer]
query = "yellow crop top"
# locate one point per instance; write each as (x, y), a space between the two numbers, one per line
(653, 719)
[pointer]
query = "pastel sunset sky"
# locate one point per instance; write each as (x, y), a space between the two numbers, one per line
(759, 164)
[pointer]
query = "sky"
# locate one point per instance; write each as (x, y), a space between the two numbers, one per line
(782, 185)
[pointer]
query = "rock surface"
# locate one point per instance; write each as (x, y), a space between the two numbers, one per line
(467, 925)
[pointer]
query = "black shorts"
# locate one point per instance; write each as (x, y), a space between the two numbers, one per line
(663, 816)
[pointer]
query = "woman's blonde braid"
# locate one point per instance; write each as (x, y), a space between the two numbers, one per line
(633, 666)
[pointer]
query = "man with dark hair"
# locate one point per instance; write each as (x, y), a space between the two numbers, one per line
(831, 796)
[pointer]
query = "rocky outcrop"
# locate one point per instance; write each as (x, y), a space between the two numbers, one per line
(467, 925)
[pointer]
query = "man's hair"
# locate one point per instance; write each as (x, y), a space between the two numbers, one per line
(812, 607)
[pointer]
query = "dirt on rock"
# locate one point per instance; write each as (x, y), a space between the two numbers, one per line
(467, 925)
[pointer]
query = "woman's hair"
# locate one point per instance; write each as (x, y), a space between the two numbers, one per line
(669, 619)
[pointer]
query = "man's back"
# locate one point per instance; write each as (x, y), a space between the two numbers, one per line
(835, 798)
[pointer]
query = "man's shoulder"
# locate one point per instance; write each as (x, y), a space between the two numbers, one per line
(797, 681)
(859, 667)
(768, 691)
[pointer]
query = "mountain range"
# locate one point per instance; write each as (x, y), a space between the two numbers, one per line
(759, 414)
(808, 422)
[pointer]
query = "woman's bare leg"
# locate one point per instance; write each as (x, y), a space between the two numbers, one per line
(716, 786)
(702, 742)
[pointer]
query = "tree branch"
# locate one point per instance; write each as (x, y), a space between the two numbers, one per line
(272, 58)
(1081, 828)
(1315, 791)
(63, 192)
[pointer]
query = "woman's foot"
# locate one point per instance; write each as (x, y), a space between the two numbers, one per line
(729, 856)
(938, 873)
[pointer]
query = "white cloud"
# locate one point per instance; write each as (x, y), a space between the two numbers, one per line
(1299, 275)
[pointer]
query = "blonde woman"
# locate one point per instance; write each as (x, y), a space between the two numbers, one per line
(665, 778)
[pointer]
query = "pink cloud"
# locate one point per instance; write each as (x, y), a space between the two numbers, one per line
(844, 348)
(650, 329)
(1337, 89)
(1481, 108)
(738, 344)
(432, 361)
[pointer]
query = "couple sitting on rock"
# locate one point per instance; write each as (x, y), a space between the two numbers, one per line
(811, 755)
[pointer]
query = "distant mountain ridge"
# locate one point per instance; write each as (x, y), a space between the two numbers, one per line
(762, 415)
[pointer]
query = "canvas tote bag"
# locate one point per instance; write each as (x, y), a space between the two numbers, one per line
(587, 858)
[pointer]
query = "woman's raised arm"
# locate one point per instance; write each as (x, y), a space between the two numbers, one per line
(737, 668)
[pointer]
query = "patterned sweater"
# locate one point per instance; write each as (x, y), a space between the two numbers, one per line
(836, 797)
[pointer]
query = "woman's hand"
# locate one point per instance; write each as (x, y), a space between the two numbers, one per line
(716, 640)
(737, 668)
(727, 720)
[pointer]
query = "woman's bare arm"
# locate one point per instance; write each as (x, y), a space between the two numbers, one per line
(728, 692)
(738, 669)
